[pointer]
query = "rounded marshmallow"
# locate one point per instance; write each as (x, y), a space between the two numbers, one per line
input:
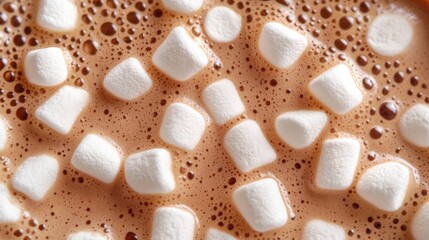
(85, 236)
(173, 223)
(4, 132)
(414, 125)
(57, 15)
(9, 212)
(222, 24)
(183, 6)
(214, 234)
(419, 225)
(320, 230)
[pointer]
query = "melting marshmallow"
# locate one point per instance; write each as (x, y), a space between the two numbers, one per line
(4, 132)
(261, 204)
(98, 158)
(320, 230)
(182, 126)
(222, 24)
(337, 163)
(9, 212)
(222, 101)
(214, 234)
(390, 34)
(414, 125)
(384, 185)
(280, 45)
(128, 80)
(62, 109)
(337, 90)
(36, 176)
(179, 56)
(248, 147)
(173, 223)
(57, 15)
(299, 129)
(183, 6)
(150, 172)
(85, 236)
(419, 225)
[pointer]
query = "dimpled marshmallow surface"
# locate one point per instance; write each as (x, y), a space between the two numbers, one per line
(321, 230)
(150, 172)
(57, 15)
(85, 236)
(98, 158)
(182, 126)
(299, 129)
(384, 185)
(419, 225)
(128, 80)
(337, 163)
(9, 212)
(214, 234)
(261, 205)
(248, 147)
(389, 34)
(222, 101)
(179, 56)
(337, 90)
(45, 67)
(414, 125)
(222, 24)
(4, 132)
(35, 176)
(173, 223)
(183, 6)
(280, 45)
(62, 109)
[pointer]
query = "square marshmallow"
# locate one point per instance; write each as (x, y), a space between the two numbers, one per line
(35, 176)
(57, 15)
(337, 90)
(9, 212)
(179, 56)
(222, 101)
(62, 109)
(183, 6)
(414, 125)
(4, 132)
(84, 235)
(261, 204)
(128, 80)
(173, 223)
(248, 147)
(320, 230)
(98, 158)
(419, 225)
(214, 234)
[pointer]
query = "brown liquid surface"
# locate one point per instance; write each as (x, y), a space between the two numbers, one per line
(111, 31)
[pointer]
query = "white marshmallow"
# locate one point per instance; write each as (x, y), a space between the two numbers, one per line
(4, 132)
(390, 34)
(300, 129)
(173, 223)
(320, 230)
(85, 236)
(280, 45)
(128, 80)
(179, 56)
(46, 67)
(62, 109)
(384, 185)
(57, 15)
(9, 212)
(222, 24)
(248, 147)
(183, 6)
(414, 125)
(98, 158)
(214, 234)
(337, 90)
(419, 225)
(182, 126)
(222, 101)
(261, 205)
(337, 163)
(150, 172)
(36, 176)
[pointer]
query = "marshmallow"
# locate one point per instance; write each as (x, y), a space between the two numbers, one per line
(183, 6)
(36, 176)
(320, 230)
(9, 212)
(182, 126)
(337, 163)
(4, 132)
(299, 129)
(222, 24)
(62, 109)
(179, 56)
(248, 147)
(222, 101)
(150, 172)
(414, 125)
(98, 158)
(128, 80)
(280, 45)
(419, 225)
(85, 236)
(337, 90)
(214, 234)
(57, 15)
(390, 34)
(384, 185)
(173, 223)
(261, 205)
(46, 67)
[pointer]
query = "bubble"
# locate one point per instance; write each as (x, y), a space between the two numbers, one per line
(326, 12)
(388, 110)
(346, 22)
(108, 29)
(91, 47)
